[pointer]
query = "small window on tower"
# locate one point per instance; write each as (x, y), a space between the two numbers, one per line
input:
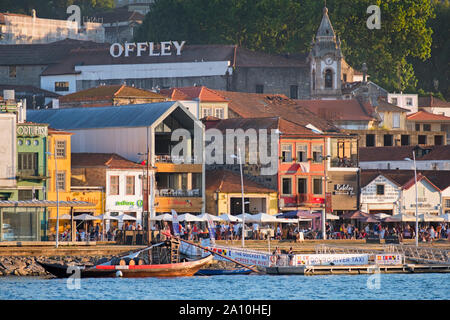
(328, 79)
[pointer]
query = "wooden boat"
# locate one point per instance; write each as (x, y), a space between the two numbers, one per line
(180, 269)
(222, 272)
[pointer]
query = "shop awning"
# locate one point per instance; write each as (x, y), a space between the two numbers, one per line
(43, 203)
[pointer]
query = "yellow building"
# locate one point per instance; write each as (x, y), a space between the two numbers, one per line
(59, 143)
(223, 195)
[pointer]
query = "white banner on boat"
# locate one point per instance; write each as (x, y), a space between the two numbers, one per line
(328, 259)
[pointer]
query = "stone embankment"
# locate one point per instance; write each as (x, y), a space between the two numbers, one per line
(27, 266)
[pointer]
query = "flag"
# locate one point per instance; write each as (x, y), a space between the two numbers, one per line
(212, 233)
(175, 223)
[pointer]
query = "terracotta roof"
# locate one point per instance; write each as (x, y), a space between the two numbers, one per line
(229, 182)
(110, 92)
(259, 105)
(401, 152)
(383, 105)
(344, 110)
(405, 178)
(420, 177)
(427, 116)
(268, 123)
(56, 131)
(108, 160)
(432, 102)
(202, 93)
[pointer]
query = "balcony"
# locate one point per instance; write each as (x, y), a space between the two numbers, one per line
(179, 193)
(31, 174)
(344, 163)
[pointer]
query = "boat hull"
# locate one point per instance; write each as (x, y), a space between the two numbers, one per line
(221, 272)
(182, 269)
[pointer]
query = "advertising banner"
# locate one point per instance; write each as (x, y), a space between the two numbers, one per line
(331, 259)
(388, 259)
(243, 256)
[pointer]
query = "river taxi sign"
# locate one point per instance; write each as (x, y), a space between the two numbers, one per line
(331, 259)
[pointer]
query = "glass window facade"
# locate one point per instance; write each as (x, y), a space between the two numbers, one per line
(344, 152)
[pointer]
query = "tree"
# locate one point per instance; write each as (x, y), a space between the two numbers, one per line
(287, 26)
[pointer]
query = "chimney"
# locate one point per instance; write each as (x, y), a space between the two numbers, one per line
(9, 95)
(33, 14)
(364, 70)
(22, 111)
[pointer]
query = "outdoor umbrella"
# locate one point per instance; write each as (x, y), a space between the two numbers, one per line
(425, 217)
(126, 217)
(248, 217)
(369, 219)
(306, 214)
(264, 217)
(288, 214)
(85, 217)
(401, 217)
(358, 215)
(187, 217)
(107, 216)
(163, 217)
(204, 217)
(230, 218)
(328, 216)
(382, 215)
(446, 217)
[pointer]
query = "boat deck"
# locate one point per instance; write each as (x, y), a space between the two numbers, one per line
(362, 269)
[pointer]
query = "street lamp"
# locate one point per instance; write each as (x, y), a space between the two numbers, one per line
(57, 193)
(417, 214)
(242, 192)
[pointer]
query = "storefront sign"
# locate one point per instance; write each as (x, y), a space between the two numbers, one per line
(129, 203)
(26, 130)
(390, 259)
(327, 259)
(152, 49)
(343, 189)
(242, 256)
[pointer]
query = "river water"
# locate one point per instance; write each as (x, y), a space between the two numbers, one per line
(434, 286)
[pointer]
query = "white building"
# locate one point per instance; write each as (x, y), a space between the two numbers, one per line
(404, 100)
(381, 195)
(24, 29)
(428, 197)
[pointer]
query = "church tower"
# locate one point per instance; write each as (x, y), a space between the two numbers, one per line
(325, 62)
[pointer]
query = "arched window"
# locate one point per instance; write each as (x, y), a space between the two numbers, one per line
(328, 78)
(314, 79)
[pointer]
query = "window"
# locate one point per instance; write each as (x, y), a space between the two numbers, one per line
(286, 186)
(417, 126)
(328, 79)
(130, 189)
(426, 127)
(380, 189)
(62, 86)
(317, 185)
(447, 203)
(259, 88)
(370, 140)
(28, 162)
(114, 185)
(438, 140)
(317, 153)
(206, 112)
(61, 180)
(60, 149)
(345, 77)
(409, 101)
(344, 152)
(394, 101)
(219, 113)
(422, 139)
(388, 140)
(302, 153)
(12, 71)
(25, 194)
(286, 153)
(396, 120)
(382, 118)
(302, 186)
(405, 139)
(294, 92)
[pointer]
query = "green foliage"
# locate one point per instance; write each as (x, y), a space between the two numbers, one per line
(287, 26)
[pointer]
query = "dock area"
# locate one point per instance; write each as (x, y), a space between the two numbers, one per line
(362, 269)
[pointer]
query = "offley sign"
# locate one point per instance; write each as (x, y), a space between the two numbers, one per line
(151, 49)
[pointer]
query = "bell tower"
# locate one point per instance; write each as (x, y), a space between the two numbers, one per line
(325, 62)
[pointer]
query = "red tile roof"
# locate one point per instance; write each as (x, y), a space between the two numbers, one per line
(259, 105)
(401, 152)
(202, 93)
(346, 110)
(229, 182)
(56, 131)
(108, 160)
(109, 92)
(427, 116)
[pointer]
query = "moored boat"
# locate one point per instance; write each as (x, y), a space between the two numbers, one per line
(222, 272)
(180, 269)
